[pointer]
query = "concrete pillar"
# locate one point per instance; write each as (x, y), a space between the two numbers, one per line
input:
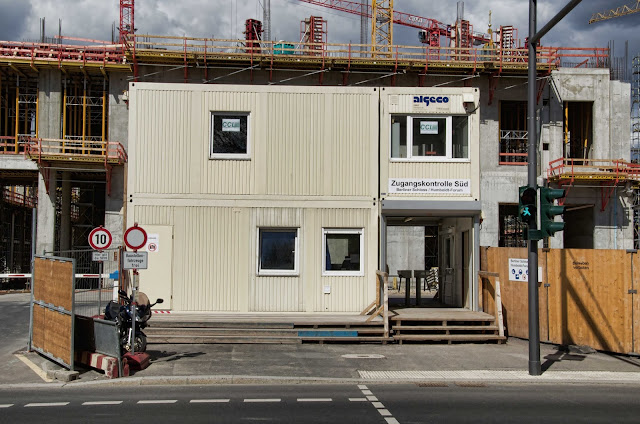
(50, 104)
(65, 216)
(118, 131)
(49, 126)
(45, 238)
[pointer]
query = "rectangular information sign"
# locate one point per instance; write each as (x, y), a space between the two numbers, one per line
(135, 260)
(98, 256)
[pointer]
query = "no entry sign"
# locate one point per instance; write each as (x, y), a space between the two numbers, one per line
(135, 237)
(100, 238)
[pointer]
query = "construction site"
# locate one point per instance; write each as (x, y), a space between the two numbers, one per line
(112, 133)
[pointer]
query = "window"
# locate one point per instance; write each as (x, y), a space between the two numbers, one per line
(511, 228)
(513, 133)
(429, 137)
(278, 251)
(229, 135)
(343, 251)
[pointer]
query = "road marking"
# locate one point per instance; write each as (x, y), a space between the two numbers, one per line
(392, 420)
(157, 401)
(357, 399)
(315, 400)
(209, 400)
(362, 387)
(262, 400)
(367, 392)
(377, 405)
(384, 412)
(34, 368)
(103, 402)
(372, 398)
(6, 405)
(29, 405)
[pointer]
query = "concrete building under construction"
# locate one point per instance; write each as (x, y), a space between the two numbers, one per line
(116, 134)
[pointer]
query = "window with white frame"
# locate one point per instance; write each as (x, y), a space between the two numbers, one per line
(343, 251)
(278, 251)
(424, 138)
(229, 135)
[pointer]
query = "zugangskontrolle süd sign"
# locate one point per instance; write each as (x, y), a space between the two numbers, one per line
(429, 186)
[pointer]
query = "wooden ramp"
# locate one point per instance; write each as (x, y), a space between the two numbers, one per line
(264, 328)
(443, 325)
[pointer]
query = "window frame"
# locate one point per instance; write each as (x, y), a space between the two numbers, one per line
(278, 272)
(342, 272)
(229, 156)
(448, 139)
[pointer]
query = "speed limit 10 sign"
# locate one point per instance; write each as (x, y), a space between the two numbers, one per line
(100, 238)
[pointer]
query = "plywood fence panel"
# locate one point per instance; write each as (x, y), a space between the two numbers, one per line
(587, 300)
(52, 282)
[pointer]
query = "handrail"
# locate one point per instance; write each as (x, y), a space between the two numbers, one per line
(65, 148)
(611, 167)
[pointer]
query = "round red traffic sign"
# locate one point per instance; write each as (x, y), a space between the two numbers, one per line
(100, 238)
(135, 237)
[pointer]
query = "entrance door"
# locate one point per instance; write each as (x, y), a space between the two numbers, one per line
(448, 277)
(157, 280)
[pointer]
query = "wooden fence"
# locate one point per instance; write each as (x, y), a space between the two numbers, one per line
(586, 296)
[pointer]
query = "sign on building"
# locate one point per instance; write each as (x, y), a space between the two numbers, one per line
(429, 186)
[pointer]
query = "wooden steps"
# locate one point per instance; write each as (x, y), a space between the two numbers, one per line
(449, 326)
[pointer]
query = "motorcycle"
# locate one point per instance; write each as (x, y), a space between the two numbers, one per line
(122, 312)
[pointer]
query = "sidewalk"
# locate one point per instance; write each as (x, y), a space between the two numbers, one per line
(336, 363)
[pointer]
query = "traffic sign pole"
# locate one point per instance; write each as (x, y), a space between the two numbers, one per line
(135, 238)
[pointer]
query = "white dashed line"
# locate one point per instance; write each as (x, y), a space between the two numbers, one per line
(384, 412)
(103, 402)
(262, 400)
(142, 402)
(377, 405)
(372, 398)
(6, 405)
(315, 400)
(362, 387)
(357, 399)
(367, 392)
(391, 420)
(29, 405)
(209, 401)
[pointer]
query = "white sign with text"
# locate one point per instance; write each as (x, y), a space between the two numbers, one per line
(429, 186)
(519, 270)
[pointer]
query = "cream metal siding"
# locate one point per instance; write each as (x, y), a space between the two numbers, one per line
(304, 141)
(401, 101)
(313, 165)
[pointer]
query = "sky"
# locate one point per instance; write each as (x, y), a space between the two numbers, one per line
(20, 19)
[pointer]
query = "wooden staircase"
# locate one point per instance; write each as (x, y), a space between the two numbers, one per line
(264, 331)
(443, 325)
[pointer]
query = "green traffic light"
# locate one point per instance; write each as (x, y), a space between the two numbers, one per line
(548, 211)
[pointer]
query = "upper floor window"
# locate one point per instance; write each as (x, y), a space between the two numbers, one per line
(424, 138)
(278, 251)
(230, 135)
(513, 133)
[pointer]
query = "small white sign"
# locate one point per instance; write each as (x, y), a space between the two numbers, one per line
(135, 260)
(428, 127)
(326, 289)
(153, 243)
(519, 270)
(229, 124)
(99, 256)
(429, 186)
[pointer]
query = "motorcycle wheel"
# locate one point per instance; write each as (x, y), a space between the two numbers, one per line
(140, 343)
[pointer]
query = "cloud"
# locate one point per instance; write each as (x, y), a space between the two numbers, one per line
(12, 19)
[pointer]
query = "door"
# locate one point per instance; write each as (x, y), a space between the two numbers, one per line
(448, 275)
(157, 280)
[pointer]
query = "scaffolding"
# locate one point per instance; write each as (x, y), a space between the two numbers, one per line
(313, 32)
(18, 112)
(635, 144)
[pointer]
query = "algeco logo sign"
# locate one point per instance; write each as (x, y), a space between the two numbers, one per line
(230, 125)
(430, 99)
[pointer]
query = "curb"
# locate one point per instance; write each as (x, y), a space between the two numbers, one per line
(453, 377)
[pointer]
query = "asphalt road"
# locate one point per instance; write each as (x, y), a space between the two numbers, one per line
(350, 403)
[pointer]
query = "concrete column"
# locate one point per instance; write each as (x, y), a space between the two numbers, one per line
(65, 217)
(45, 238)
(50, 104)
(49, 126)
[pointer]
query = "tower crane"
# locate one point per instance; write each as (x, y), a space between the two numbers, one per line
(431, 29)
(626, 9)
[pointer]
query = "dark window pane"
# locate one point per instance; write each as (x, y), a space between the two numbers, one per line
(398, 136)
(230, 134)
(460, 129)
(343, 252)
(277, 250)
(429, 136)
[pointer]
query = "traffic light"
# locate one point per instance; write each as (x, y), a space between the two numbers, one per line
(548, 211)
(527, 207)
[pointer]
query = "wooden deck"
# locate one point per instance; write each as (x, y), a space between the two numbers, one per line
(406, 324)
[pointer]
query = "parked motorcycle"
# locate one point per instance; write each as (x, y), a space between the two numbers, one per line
(122, 313)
